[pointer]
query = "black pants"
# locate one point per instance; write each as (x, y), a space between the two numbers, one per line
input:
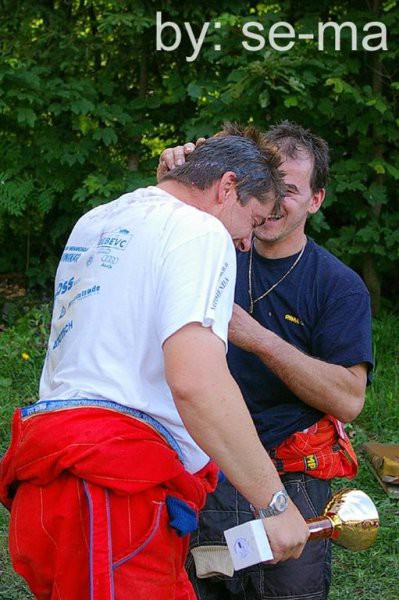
(307, 578)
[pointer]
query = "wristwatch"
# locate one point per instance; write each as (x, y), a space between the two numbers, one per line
(276, 506)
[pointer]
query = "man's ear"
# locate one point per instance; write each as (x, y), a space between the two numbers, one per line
(226, 188)
(316, 201)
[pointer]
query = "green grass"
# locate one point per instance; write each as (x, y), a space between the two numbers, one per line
(373, 574)
(19, 379)
(369, 575)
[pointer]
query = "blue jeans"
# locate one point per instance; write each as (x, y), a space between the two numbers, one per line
(307, 578)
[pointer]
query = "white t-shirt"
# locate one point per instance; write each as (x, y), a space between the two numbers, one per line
(133, 272)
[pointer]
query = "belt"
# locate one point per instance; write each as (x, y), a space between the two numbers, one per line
(44, 406)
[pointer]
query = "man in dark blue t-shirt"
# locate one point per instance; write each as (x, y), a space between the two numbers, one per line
(321, 308)
(300, 350)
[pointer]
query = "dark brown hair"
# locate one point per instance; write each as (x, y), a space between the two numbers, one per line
(293, 141)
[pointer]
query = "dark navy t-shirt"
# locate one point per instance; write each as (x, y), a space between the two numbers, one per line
(322, 308)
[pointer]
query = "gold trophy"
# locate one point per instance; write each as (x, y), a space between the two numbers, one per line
(350, 519)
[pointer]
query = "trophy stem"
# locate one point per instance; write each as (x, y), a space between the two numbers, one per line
(320, 528)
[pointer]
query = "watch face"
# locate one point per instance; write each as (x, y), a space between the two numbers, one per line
(280, 501)
(278, 504)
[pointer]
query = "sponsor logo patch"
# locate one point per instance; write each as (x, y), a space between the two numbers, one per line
(62, 334)
(293, 319)
(311, 462)
(118, 239)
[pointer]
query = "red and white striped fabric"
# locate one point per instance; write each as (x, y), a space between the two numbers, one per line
(322, 450)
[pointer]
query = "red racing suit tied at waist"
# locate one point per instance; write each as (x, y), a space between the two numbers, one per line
(99, 446)
(98, 486)
(323, 451)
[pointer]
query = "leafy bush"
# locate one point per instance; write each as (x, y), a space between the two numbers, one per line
(87, 103)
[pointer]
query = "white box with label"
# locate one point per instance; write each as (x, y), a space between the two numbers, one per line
(248, 544)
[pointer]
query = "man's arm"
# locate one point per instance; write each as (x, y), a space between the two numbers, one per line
(332, 389)
(214, 413)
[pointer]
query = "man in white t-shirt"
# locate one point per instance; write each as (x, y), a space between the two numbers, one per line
(105, 474)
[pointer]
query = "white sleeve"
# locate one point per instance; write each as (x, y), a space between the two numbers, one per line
(196, 284)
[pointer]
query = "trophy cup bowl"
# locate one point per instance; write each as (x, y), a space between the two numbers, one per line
(350, 519)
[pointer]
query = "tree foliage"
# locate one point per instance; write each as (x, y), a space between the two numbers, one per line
(87, 103)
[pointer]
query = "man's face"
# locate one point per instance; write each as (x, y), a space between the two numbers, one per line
(289, 221)
(241, 221)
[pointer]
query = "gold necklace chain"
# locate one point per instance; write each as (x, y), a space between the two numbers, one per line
(253, 301)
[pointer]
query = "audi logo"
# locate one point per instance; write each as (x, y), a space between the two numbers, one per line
(109, 259)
